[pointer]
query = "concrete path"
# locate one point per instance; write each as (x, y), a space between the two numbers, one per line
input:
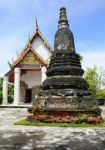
(14, 137)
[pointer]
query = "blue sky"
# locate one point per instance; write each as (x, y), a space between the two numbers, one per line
(86, 19)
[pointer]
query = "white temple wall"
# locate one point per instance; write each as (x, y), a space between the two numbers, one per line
(40, 48)
(32, 78)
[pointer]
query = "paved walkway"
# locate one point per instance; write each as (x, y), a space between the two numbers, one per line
(14, 137)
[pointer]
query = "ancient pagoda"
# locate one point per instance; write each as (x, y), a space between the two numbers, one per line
(65, 95)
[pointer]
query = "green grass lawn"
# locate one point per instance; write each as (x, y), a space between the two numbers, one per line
(25, 122)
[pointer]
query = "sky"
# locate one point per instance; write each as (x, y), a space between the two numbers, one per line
(86, 20)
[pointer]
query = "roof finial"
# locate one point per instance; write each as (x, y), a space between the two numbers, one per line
(29, 41)
(13, 60)
(63, 21)
(9, 64)
(17, 54)
(37, 27)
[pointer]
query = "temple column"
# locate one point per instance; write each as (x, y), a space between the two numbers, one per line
(5, 90)
(43, 71)
(16, 86)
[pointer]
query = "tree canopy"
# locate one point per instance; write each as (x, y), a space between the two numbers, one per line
(96, 78)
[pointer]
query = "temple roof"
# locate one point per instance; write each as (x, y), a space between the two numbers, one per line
(21, 59)
(28, 48)
(24, 51)
(38, 32)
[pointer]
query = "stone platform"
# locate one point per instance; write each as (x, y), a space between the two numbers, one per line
(65, 115)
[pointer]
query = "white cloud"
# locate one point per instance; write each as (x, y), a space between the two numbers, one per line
(93, 53)
(1, 75)
(8, 47)
(91, 59)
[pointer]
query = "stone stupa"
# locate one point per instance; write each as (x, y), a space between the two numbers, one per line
(65, 95)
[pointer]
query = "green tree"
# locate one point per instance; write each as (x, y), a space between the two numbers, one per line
(95, 77)
(80, 56)
(100, 94)
(10, 91)
(1, 82)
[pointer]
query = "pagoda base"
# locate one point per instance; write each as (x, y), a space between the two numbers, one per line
(67, 102)
(64, 115)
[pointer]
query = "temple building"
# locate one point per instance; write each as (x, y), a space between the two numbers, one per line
(27, 72)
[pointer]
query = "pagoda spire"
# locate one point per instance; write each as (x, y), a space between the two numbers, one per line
(64, 39)
(63, 21)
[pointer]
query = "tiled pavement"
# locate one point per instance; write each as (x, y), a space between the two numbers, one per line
(14, 137)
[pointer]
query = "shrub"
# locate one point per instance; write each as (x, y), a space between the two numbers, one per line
(100, 94)
(1, 97)
(10, 93)
(10, 98)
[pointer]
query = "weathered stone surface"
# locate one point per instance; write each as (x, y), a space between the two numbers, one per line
(64, 115)
(64, 73)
